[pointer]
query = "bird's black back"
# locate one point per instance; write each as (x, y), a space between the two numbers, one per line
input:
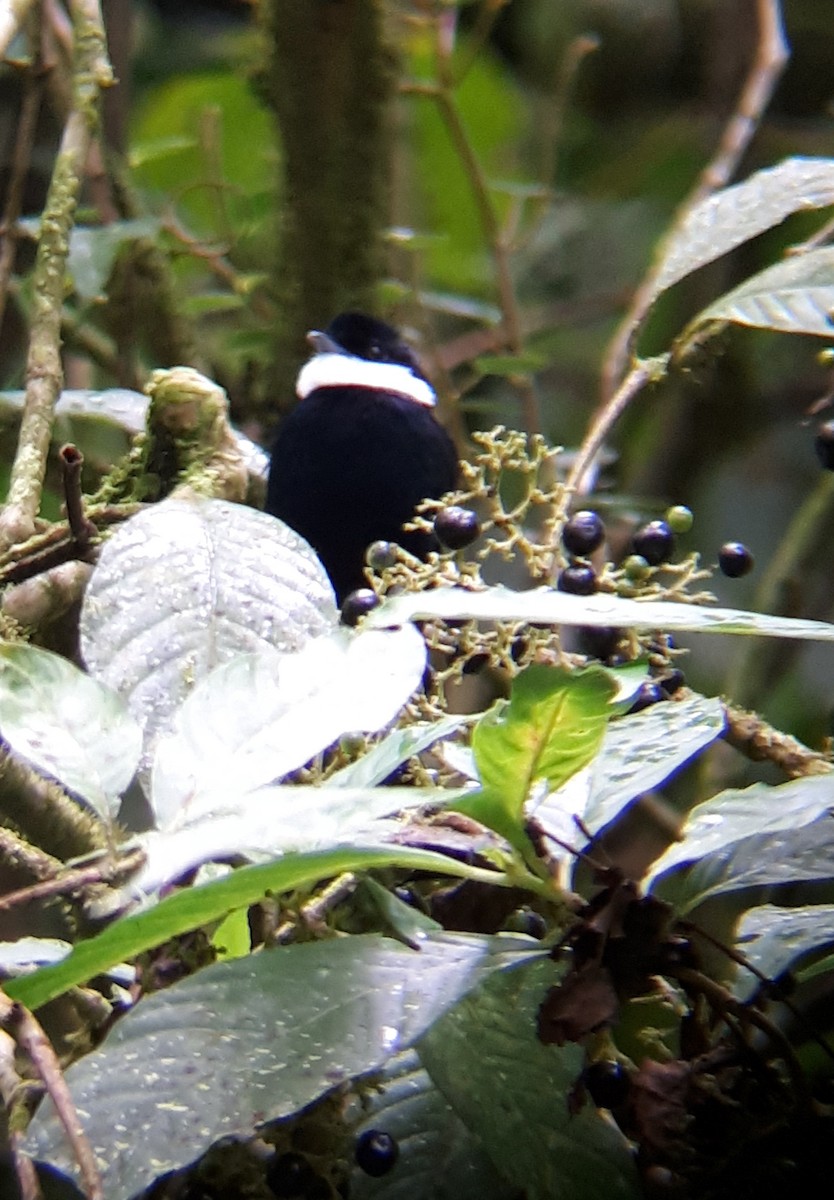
(349, 465)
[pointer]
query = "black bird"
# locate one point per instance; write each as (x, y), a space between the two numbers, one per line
(361, 449)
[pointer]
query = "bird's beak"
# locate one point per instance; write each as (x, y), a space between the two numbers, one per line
(323, 343)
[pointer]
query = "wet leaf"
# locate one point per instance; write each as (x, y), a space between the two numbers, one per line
(67, 725)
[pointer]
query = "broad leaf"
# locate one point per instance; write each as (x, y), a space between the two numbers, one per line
(640, 751)
(736, 814)
(750, 869)
(794, 296)
(736, 214)
(67, 725)
(547, 606)
(260, 716)
(512, 1092)
(439, 1157)
(550, 729)
(270, 822)
(773, 939)
(189, 584)
(254, 1039)
(191, 908)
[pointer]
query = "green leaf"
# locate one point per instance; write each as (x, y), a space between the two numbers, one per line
(546, 606)
(640, 751)
(795, 846)
(736, 214)
(736, 814)
(256, 1039)
(260, 716)
(773, 938)
(550, 729)
(439, 1157)
(196, 906)
(512, 1092)
(794, 296)
(67, 725)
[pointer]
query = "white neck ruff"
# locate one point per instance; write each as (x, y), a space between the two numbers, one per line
(346, 370)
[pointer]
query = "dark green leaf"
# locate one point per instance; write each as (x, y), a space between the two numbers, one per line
(254, 1039)
(487, 1046)
(197, 906)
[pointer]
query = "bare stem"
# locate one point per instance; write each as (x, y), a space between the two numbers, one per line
(11, 1089)
(18, 167)
(768, 63)
(609, 413)
(44, 374)
(444, 96)
(31, 1038)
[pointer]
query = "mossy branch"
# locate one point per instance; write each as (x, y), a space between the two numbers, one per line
(44, 375)
(328, 79)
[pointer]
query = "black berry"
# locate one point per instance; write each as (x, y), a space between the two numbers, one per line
(289, 1175)
(456, 527)
(655, 542)
(583, 533)
(381, 555)
(647, 694)
(734, 559)
(579, 581)
(824, 445)
(357, 604)
(671, 682)
(607, 1083)
(599, 641)
(475, 663)
(376, 1152)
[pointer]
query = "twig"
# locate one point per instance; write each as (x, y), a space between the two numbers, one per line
(642, 373)
(74, 881)
(443, 94)
(43, 367)
(11, 1088)
(768, 63)
(82, 530)
(31, 1038)
(313, 914)
(18, 167)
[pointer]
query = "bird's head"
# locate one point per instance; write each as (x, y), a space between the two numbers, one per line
(356, 350)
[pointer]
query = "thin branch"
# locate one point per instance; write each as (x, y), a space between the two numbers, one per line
(31, 1038)
(11, 1089)
(760, 742)
(43, 368)
(69, 882)
(18, 167)
(82, 530)
(443, 94)
(768, 63)
(605, 418)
